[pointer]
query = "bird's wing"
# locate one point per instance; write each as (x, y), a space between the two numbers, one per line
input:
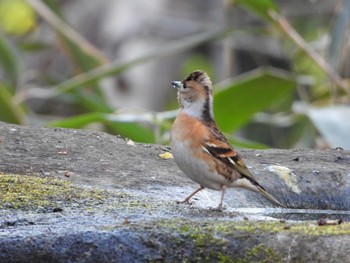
(218, 147)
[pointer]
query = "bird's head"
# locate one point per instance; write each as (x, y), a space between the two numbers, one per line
(195, 95)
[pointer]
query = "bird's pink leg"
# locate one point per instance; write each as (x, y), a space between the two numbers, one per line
(187, 199)
(220, 207)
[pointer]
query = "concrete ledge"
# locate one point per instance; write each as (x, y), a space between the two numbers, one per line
(116, 203)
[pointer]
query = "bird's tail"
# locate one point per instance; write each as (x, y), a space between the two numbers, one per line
(251, 184)
(269, 197)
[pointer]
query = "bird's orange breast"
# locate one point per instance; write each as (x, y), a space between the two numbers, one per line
(186, 128)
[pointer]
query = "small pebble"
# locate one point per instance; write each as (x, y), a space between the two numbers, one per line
(287, 226)
(338, 149)
(315, 172)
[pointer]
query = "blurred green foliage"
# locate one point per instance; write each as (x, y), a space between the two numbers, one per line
(252, 93)
(266, 100)
(16, 17)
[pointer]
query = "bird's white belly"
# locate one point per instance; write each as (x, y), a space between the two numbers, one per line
(196, 169)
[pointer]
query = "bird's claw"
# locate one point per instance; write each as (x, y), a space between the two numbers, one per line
(187, 202)
(219, 208)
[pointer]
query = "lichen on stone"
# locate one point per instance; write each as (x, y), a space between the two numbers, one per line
(32, 192)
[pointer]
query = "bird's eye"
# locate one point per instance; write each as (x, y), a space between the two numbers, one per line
(184, 86)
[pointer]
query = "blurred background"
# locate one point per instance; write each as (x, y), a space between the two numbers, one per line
(280, 68)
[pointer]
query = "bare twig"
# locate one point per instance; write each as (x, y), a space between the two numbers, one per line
(297, 39)
(63, 28)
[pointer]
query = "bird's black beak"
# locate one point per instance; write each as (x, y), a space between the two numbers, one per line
(176, 84)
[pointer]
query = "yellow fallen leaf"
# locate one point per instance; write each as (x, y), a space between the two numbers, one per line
(166, 155)
(130, 142)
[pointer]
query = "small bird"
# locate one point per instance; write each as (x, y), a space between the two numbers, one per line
(200, 149)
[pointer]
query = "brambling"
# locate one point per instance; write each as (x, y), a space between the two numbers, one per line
(200, 149)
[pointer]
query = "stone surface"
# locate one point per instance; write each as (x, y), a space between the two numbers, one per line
(140, 221)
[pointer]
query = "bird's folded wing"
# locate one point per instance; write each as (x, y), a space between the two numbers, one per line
(225, 153)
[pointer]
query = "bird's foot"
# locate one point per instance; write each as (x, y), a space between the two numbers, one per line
(186, 201)
(219, 208)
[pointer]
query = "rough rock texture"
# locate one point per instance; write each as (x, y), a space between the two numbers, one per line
(138, 219)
